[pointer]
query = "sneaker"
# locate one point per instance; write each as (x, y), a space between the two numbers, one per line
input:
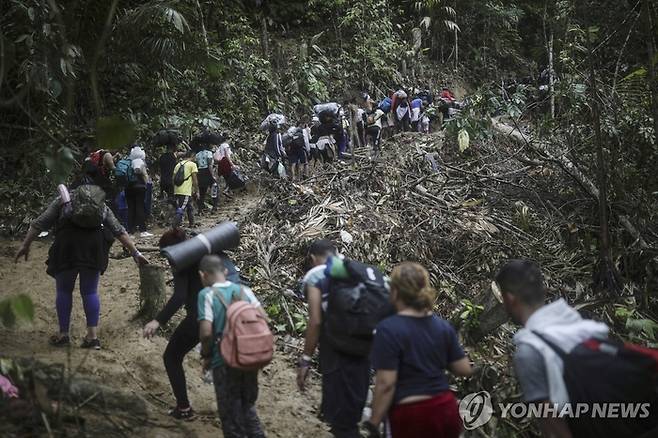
(59, 340)
(91, 343)
(182, 414)
(145, 234)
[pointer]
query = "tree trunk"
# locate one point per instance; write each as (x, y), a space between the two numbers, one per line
(151, 290)
(548, 40)
(651, 59)
(204, 33)
(551, 74)
(608, 278)
(264, 37)
(456, 50)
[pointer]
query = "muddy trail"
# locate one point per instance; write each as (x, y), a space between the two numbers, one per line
(132, 364)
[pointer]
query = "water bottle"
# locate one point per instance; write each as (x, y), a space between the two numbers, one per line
(65, 198)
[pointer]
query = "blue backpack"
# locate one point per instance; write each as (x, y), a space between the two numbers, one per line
(124, 172)
(385, 105)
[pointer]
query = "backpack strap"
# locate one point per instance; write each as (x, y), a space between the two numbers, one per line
(243, 296)
(559, 351)
(219, 296)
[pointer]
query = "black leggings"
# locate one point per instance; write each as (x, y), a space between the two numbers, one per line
(182, 341)
(205, 182)
(135, 196)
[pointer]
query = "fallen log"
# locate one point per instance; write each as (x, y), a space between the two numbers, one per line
(568, 167)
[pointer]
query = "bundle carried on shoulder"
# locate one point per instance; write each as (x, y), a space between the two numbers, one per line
(273, 121)
(166, 137)
(327, 112)
(401, 94)
(358, 301)
(385, 105)
(205, 139)
(292, 136)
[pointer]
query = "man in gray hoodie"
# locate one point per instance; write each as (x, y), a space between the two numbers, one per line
(538, 368)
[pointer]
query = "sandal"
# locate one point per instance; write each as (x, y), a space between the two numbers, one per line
(180, 414)
(59, 340)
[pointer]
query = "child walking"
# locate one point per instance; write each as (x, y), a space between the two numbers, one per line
(236, 390)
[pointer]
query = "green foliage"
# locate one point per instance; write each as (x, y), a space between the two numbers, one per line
(16, 308)
(470, 314)
(60, 164)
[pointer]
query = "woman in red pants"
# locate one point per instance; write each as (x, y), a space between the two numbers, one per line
(411, 351)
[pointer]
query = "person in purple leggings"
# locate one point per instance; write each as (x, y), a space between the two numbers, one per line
(77, 252)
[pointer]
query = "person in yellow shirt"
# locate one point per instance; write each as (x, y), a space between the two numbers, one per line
(187, 189)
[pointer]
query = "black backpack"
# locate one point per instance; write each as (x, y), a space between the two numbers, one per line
(355, 306)
(605, 371)
(179, 177)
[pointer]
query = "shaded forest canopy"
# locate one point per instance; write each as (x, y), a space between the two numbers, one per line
(76, 75)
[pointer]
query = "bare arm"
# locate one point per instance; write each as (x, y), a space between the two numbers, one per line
(312, 333)
(24, 249)
(461, 367)
(128, 243)
(314, 320)
(195, 184)
(385, 381)
(205, 337)
(108, 161)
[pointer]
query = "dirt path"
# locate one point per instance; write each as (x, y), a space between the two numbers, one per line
(133, 364)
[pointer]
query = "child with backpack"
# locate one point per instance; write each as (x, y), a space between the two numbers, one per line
(84, 231)
(235, 380)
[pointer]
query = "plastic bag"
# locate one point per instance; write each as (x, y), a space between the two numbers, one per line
(273, 120)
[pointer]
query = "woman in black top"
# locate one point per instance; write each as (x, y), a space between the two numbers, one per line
(78, 251)
(187, 285)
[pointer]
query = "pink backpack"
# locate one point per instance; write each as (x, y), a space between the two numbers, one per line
(247, 342)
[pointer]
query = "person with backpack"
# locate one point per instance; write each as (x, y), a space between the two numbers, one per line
(374, 129)
(411, 352)
(298, 151)
(84, 231)
(274, 153)
(186, 188)
(236, 388)
(344, 362)
(225, 167)
(204, 162)
(138, 179)
(185, 336)
(102, 161)
(167, 163)
(563, 358)
(416, 114)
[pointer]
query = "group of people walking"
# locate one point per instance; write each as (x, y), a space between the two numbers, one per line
(335, 131)
(360, 319)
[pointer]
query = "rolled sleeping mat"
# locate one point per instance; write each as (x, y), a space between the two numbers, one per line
(223, 237)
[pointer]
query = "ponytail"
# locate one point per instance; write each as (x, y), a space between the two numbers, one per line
(411, 281)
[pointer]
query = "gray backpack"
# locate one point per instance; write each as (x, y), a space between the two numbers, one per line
(88, 206)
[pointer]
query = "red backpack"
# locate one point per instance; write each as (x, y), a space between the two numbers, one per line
(96, 158)
(247, 343)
